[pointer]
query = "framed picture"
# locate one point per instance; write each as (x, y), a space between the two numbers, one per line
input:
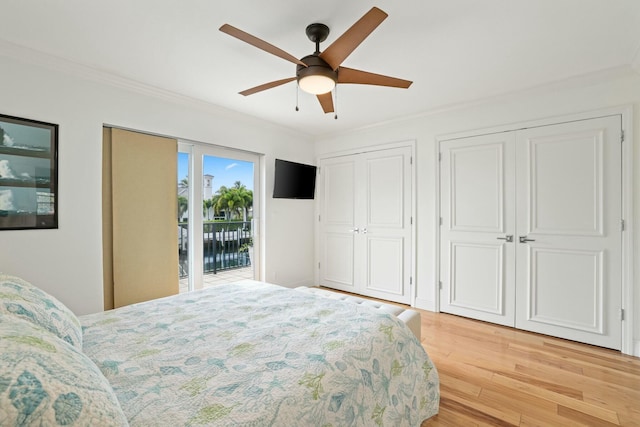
(28, 174)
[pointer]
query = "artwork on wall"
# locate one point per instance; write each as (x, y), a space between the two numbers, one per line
(28, 174)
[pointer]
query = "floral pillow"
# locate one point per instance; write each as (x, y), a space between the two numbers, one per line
(46, 382)
(20, 298)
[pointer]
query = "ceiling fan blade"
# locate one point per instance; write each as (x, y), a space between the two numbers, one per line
(326, 101)
(349, 75)
(266, 86)
(351, 39)
(260, 44)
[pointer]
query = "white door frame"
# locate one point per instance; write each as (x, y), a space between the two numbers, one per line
(626, 112)
(366, 149)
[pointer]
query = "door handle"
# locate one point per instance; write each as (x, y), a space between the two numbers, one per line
(523, 239)
(508, 238)
(354, 230)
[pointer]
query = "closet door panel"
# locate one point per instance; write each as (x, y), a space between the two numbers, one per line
(569, 280)
(477, 268)
(385, 192)
(565, 177)
(386, 219)
(476, 187)
(337, 223)
(338, 260)
(558, 277)
(476, 281)
(385, 267)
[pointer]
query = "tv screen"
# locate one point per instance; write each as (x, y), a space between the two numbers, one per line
(294, 180)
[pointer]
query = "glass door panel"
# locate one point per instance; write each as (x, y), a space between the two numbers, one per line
(227, 207)
(217, 201)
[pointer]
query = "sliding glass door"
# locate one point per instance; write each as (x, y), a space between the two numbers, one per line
(218, 208)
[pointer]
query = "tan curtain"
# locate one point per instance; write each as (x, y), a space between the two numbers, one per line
(140, 238)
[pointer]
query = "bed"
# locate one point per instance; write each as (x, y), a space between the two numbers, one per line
(242, 354)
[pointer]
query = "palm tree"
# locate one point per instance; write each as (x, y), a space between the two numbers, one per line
(183, 205)
(220, 201)
(207, 204)
(244, 196)
(234, 201)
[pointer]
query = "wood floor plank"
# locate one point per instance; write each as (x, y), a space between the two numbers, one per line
(587, 419)
(460, 386)
(607, 394)
(516, 401)
(529, 377)
(631, 417)
(578, 405)
(546, 358)
(599, 357)
(451, 418)
(548, 420)
(481, 414)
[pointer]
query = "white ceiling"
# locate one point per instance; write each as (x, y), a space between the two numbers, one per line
(455, 51)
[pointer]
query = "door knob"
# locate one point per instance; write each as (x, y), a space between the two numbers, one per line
(364, 231)
(507, 238)
(355, 230)
(523, 239)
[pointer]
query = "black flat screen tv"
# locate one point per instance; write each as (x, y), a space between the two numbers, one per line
(294, 180)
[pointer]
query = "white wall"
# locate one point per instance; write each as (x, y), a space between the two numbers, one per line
(610, 89)
(67, 262)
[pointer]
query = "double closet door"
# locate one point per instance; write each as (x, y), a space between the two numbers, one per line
(365, 228)
(531, 229)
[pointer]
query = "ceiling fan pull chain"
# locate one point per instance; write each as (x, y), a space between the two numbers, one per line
(297, 91)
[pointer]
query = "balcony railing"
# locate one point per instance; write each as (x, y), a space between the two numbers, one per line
(225, 246)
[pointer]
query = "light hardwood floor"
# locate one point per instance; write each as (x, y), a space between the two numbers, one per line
(497, 376)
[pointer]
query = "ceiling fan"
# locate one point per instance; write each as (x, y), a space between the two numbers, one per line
(319, 72)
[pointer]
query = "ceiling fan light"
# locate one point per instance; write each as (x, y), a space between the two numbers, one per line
(316, 84)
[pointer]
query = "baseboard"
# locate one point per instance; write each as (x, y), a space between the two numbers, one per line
(636, 348)
(425, 304)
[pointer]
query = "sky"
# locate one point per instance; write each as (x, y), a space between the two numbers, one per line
(225, 171)
(33, 135)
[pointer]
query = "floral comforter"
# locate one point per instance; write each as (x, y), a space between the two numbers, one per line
(255, 354)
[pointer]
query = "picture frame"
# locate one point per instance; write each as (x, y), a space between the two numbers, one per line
(28, 174)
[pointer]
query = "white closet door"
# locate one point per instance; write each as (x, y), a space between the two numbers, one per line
(569, 207)
(478, 226)
(385, 225)
(365, 224)
(337, 223)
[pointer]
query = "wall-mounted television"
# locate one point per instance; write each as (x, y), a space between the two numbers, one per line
(294, 180)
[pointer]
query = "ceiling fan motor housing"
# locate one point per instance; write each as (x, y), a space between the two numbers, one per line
(316, 66)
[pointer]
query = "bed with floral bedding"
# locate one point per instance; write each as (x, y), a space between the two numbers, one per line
(243, 354)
